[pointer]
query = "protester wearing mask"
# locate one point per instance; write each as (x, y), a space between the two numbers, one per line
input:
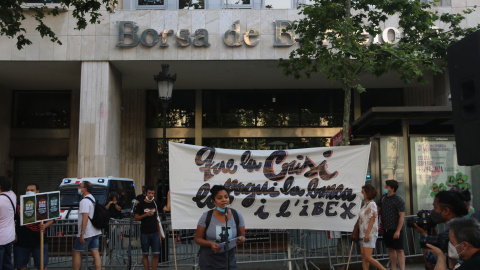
(146, 212)
(447, 205)
(393, 216)
(368, 222)
(28, 239)
(464, 236)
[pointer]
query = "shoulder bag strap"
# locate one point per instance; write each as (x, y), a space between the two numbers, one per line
(237, 219)
(207, 222)
(13, 206)
(94, 203)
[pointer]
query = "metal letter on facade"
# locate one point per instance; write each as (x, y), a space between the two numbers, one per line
(280, 25)
(236, 33)
(132, 33)
(165, 33)
(251, 33)
(143, 37)
(396, 35)
(183, 38)
(201, 38)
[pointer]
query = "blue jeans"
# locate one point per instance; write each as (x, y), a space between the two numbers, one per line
(22, 256)
(6, 256)
(150, 240)
(90, 243)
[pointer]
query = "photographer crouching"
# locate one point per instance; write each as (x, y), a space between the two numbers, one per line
(447, 206)
(464, 237)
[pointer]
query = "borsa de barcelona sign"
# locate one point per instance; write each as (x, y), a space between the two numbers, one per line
(129, 36)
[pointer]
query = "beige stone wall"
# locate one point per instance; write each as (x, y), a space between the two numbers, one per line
(99, 121)
(132, 153)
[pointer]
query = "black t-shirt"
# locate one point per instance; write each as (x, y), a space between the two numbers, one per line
(391, 208)
(28, 235)
(113, 212)
(140, 197)
(148, 223)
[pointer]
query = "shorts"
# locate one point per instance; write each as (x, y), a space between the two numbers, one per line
(369, 244)
(22, 256)
(396, 244)
(90, 243)
(150, 240)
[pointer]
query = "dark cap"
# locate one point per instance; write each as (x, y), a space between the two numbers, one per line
(393, 184)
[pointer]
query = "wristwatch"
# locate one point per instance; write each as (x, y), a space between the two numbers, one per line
(82, 233)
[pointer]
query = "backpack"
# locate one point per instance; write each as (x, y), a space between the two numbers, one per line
(100, 216)
(209, 218)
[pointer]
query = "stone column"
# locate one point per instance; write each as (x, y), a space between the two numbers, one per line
(5, 119)
(99, 120)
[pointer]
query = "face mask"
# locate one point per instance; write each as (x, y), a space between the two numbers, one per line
(361, 196)
(29, 193)
(144, 192)
(436, 217)
(452, 251)
(149, 199)
(79, 191)
(385, 191)
(222, 209)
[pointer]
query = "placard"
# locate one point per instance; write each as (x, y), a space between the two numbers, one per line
(39, 207)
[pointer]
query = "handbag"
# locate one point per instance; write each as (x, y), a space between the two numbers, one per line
(381, 230)
(355, 236)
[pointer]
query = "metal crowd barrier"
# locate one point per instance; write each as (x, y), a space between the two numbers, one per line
(290, 249)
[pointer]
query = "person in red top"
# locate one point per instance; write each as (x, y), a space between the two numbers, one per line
(28, 239)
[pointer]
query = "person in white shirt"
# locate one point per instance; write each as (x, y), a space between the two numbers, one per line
(8, 201)
(87, 237)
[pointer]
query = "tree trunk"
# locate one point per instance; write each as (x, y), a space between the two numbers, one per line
(346, 114)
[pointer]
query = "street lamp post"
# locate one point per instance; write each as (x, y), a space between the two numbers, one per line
(165, 87)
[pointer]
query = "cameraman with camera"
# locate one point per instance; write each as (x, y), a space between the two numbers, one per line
(447, 205)
(464, 236)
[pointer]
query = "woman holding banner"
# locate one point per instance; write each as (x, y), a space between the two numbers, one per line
(368, 223)
(212, 232)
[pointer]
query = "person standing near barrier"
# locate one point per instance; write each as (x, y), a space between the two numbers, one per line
(146, 212)
(140, 197)
(28, 239)
(7, 223)
(211, 232)
(393, 216)
(368, 224)
(114, 207)
(87, 237)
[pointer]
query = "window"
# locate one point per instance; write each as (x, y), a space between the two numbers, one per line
(237, 3)
(41, 109)
(151, 4)
(180, 113)
(273, 108)
(191, 4)
(278, 4)
(41, 1)
(435, 168)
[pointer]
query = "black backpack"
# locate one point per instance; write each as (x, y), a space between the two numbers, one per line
(100, 216)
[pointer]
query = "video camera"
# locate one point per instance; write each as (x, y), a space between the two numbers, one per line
(423, 220)
(440, 241)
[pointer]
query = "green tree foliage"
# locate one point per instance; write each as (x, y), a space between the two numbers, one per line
(335, 39)
(14, 12)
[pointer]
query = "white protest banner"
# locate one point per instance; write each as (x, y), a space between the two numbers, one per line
(313, 188)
